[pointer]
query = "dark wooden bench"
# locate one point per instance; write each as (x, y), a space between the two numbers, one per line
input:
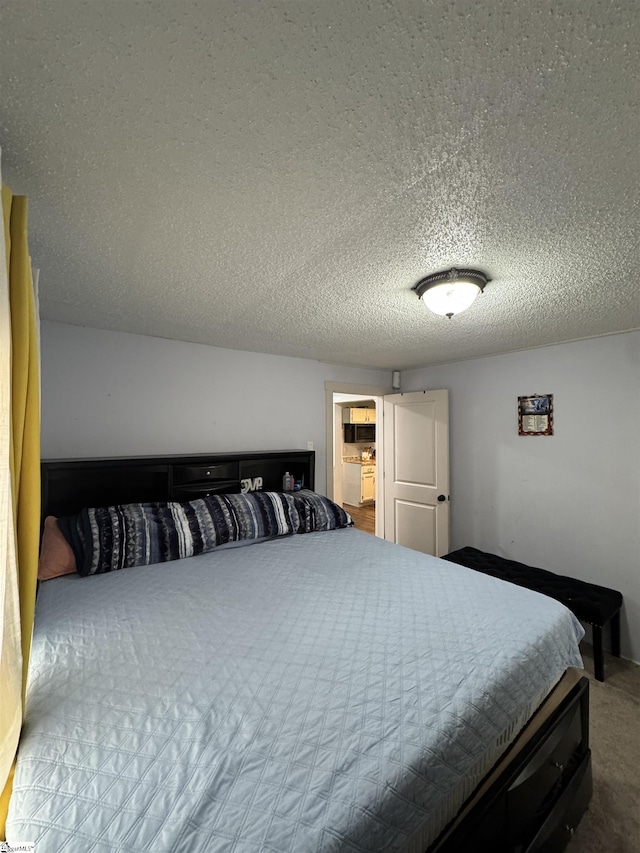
(596, 605)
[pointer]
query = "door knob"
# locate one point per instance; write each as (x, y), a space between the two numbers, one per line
(441, 498)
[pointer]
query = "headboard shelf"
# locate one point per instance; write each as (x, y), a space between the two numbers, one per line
(70, 484)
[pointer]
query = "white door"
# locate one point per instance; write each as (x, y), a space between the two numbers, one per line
(416, 470)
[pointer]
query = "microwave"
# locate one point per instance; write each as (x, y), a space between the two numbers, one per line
(359, 432)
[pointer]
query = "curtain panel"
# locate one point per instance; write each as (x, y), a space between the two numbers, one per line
(19, 478)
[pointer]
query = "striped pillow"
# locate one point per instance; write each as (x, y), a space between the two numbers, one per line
(315, 512)
(106, 539)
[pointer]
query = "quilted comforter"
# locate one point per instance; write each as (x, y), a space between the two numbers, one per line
(325, 692)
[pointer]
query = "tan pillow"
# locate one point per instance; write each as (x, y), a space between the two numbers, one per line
(56, 555)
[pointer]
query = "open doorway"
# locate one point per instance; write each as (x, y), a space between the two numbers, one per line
(354, 447)
(412, 462)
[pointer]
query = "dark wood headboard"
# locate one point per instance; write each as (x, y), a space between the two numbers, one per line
(70, 484)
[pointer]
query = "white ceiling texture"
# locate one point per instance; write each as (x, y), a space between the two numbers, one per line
(276, 176)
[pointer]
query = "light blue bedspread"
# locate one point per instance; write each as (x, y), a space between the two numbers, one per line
(319, 692)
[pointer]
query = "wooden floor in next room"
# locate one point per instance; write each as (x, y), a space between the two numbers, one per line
(364, 517)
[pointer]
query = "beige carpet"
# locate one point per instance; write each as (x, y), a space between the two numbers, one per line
(612, 823)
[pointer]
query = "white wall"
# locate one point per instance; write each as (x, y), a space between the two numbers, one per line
(569, 502)
(112, 394)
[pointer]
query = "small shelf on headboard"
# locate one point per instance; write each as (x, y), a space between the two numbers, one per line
(70, 484)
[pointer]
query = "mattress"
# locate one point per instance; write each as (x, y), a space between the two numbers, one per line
(319, 692)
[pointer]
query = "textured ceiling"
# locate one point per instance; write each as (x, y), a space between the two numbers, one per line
(276, 176)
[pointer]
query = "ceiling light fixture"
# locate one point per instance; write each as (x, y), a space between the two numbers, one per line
(451, 291)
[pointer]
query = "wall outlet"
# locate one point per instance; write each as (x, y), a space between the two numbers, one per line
(309, 445)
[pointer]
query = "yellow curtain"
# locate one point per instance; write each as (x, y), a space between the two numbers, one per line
(20, 498)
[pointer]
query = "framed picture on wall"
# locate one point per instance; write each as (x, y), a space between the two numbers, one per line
(535, 415)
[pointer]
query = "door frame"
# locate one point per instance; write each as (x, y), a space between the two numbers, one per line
(376, 393)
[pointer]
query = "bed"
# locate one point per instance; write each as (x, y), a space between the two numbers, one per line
(324, 691)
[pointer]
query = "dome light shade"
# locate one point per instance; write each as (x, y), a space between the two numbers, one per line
(450, 298)
(452, 291)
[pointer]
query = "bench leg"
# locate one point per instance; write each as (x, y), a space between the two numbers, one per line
(615, 635)
(598, 655)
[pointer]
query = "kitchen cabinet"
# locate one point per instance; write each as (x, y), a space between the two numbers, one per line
(368, 483)
(358, 416)
(359, 484)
